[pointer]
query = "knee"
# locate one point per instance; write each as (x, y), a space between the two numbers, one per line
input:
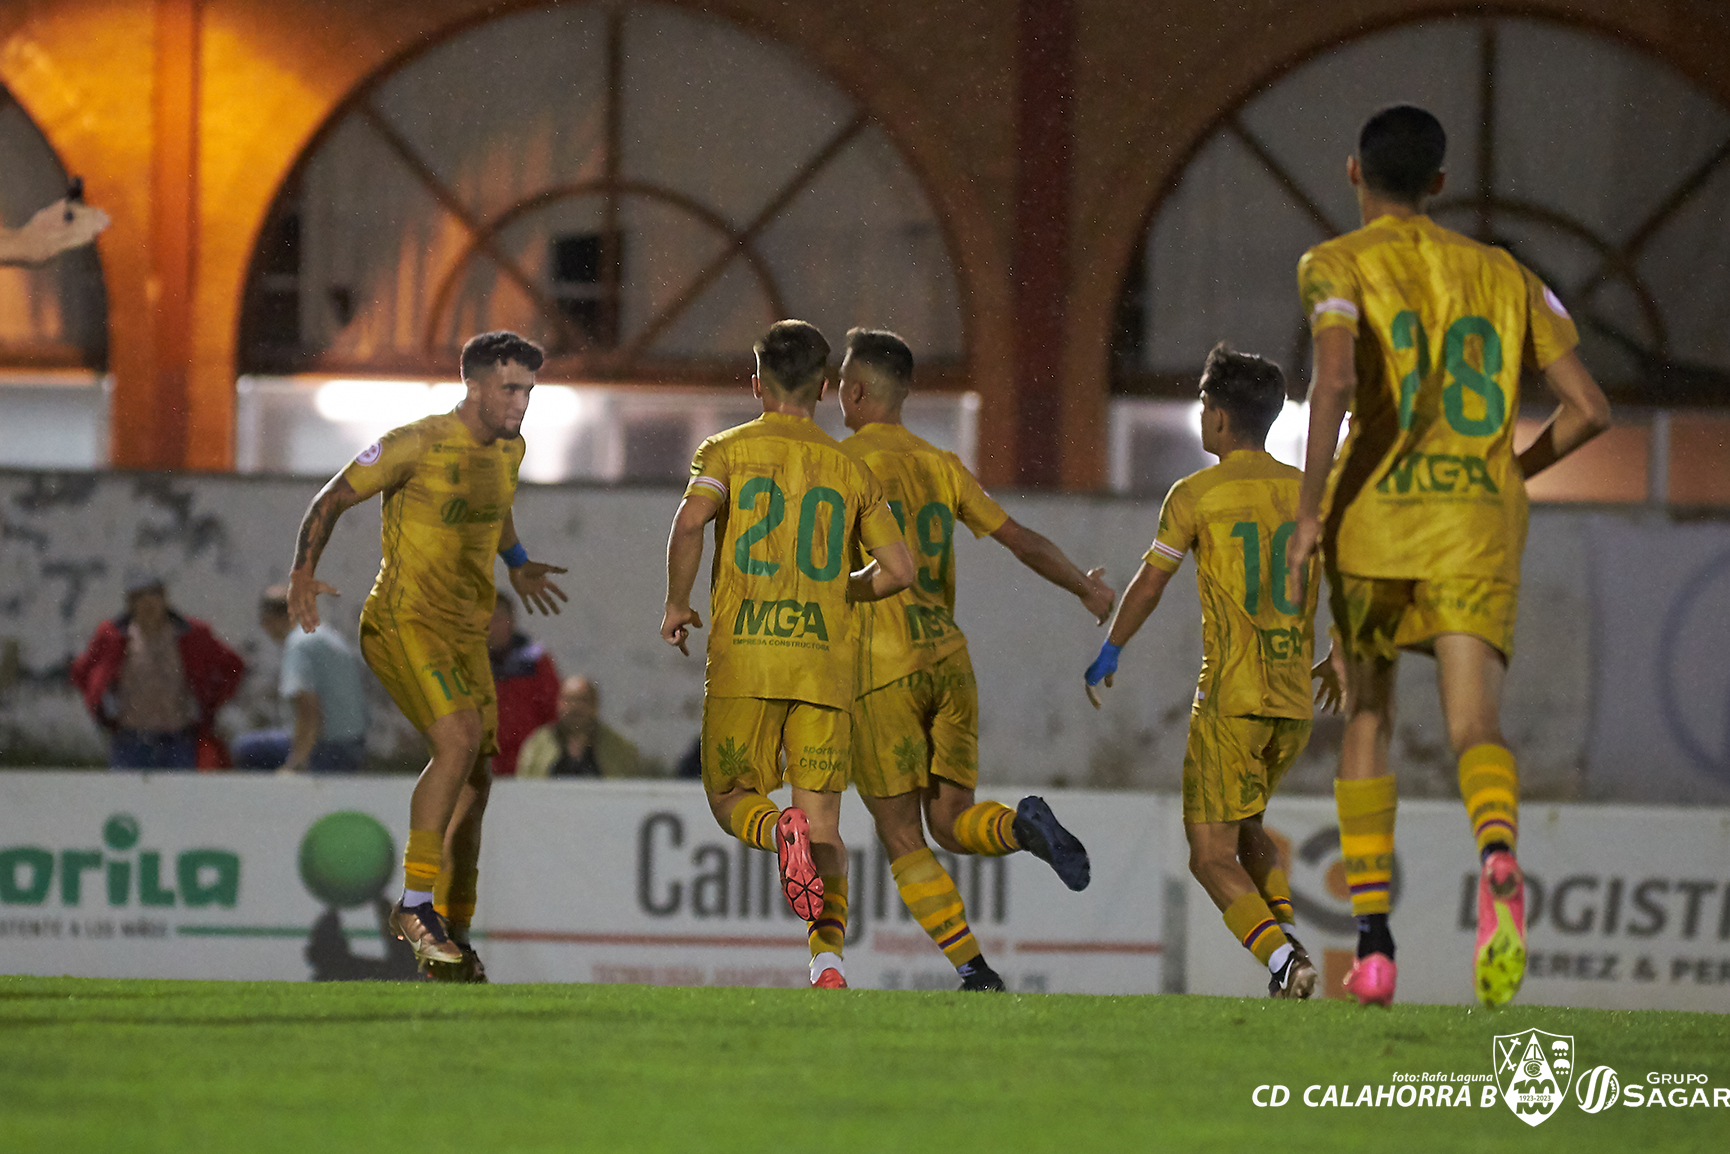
(1464, 733)
(1207, 861)
(943, 833)
(458, 738)
(899, 841)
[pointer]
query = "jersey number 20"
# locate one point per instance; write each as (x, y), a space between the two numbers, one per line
(756, 487)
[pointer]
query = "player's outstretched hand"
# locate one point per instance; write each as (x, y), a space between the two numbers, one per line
(1103, 669)
(63, 225)
(530, 581)
(1330, 692)
(676, 626)
(1100, 597)
(303, 591)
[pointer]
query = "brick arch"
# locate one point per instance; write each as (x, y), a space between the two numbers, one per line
(252, 180)
(1151, 153)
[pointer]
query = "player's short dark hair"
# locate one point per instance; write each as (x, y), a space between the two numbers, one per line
(1400, 151)
(884, 351)
(793, 355)
(497, 348)
(1249, 388)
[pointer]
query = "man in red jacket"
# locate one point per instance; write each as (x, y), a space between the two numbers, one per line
(154, 680)
(526, 682)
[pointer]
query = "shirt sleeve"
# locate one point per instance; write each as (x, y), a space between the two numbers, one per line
(1176, 530)
(974, 506)
(709, 473)
(1328, 287)
(297, 672)
(877, 525)
(386, 463)
(1550, 331)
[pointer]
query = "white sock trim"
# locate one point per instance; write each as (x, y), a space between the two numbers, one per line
(413, 898)
(1289, 929)
(827, 960)
(1280, 956)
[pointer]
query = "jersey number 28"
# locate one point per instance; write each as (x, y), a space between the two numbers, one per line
(1407, 332)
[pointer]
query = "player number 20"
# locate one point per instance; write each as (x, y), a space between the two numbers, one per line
(1250, 534)
(750, 495)
(1407, 332)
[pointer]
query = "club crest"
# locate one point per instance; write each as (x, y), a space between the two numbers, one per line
(1533, 1072)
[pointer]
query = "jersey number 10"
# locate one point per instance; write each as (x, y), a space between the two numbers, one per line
(1250, 534)
(1407, 332)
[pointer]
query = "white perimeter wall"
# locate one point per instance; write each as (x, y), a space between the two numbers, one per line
(1617, 689)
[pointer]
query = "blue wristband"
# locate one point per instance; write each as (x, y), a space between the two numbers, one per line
(1105, 664)
(516, 556)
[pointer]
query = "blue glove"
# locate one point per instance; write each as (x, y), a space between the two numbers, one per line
(1104, 665)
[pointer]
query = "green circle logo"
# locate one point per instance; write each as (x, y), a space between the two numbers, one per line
(346, 858)
(120, 831)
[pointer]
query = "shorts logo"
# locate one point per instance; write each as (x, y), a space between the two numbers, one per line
(1534, 1070)
(370, 454)
(1598, 1090)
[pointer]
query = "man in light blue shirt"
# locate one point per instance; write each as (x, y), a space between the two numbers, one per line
(322, 679)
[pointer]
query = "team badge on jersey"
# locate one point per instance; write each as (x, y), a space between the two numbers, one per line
(1555, 303)
(1534, 1070)
(370, 454)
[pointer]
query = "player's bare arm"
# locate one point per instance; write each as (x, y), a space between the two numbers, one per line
(1334, 380)
(335, 499)
(684, 558)
(63, 225)
(530, 578)
(1583, 413)
(1139, 602)
(1039, 554)
(890, 571)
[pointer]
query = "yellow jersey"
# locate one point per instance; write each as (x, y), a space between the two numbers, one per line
(1426, 485)
(445, 500)
(1238, 516)
(928, 491)
(796, 514)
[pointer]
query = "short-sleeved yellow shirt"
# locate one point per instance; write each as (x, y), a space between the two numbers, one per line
(797, 513)
(1238, 516)
(1426, 484)
(446, 496)
(928, 491)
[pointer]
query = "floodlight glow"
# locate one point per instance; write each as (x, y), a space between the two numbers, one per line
(445, 396)
(381, 403)
(555, 407)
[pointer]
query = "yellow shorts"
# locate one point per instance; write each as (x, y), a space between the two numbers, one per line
(743, 739)
(429, 676)
(1379, 616)
(925, 725)
(1232, 765)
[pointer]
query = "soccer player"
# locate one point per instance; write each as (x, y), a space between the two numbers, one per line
(448, 482)
(917, 745)
(793, 511)
(1422, 334)
(1251, 716)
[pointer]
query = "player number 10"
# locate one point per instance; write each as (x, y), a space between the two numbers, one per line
(1250, 534)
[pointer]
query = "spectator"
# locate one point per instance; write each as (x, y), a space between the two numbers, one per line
(321, 676)
(579, 743)
(154, 680)
(525, 680)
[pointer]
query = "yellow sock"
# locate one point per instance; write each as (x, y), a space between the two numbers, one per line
(753, 821)
(987, 829)
(1366, 810)
(1490, 787)
(1277, 893)
(829, 932)
(421, 859)
(454, 897)
(935, 903)
(1254, 925)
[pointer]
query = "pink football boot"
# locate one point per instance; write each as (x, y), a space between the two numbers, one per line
(1371, 980)
(1500, 961)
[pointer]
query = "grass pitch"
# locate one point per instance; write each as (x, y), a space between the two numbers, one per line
(96, 1065)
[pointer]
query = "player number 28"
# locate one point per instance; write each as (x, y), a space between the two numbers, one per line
(1407, 332)
(750, 494)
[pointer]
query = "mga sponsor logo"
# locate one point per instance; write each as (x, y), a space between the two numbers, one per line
(780, 619)
(1534, 1070)
(1437, 473)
